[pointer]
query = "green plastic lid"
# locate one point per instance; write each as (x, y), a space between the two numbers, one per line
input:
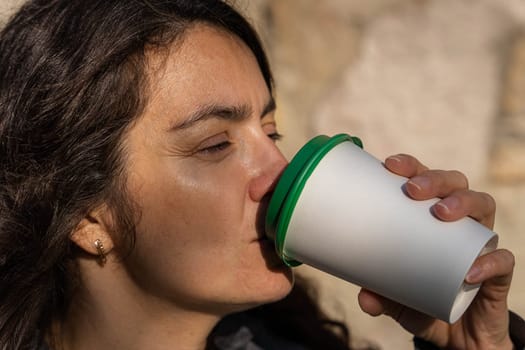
(292, 182)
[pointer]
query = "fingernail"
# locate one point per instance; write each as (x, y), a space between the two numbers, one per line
(473, 274)
(419, 182)
(394, 158)
(447, 205)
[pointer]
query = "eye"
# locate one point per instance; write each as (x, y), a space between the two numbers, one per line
(216, 148)
(275, 136)
(270, 128)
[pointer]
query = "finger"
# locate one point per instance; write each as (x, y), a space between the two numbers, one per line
(413, 321)
(494, 268)
(435, 183)
(370, 302)
(376, 305)
(478, 205)
(404, 165)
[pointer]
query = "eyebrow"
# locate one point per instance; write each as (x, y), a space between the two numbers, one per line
(233, 113)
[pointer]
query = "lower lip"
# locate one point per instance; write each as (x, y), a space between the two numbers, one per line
(265, 243)
(269, 248)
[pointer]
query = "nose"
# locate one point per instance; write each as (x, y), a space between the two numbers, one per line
(271, 163)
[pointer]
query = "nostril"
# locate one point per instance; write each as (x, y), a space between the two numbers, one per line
(264, 184)
(271, 166)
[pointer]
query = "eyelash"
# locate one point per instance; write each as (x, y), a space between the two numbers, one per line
(215, 148)
(275, 136)
(224, 145)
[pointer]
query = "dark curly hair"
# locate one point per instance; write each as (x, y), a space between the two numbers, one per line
(72, 81)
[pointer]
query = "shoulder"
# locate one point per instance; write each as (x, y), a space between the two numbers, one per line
(243, 331)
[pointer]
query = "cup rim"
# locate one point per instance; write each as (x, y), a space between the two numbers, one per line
(291, 184)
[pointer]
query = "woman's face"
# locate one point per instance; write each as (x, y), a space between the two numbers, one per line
(200, 164)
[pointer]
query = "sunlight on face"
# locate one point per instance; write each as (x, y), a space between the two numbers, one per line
(200, 163)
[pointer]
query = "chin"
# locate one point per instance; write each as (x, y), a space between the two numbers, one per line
(277, 281)
(276, 285)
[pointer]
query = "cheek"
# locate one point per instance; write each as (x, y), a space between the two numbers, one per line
(200, 202)
(188, 219)
(189, 195)
(195, 209)
(195, 237)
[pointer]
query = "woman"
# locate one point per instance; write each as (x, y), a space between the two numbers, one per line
(137, 156)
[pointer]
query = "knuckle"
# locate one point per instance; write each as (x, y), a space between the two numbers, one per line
(427, 173)
(437, 178)
(508, 257)
(490, 202)
(499, 262)
(414, 162)
(462, 178)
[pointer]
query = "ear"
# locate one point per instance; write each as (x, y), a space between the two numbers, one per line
(95, 226)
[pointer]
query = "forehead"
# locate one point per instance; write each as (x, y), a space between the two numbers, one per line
(207, 64)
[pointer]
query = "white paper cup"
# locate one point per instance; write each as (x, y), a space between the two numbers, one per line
(338, 209)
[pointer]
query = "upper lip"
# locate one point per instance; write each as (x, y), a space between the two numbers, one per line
(261, 230)
(260, 218)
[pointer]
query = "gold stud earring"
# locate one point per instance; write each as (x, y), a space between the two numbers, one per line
(101, 252)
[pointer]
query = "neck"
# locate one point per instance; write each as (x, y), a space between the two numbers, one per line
(113, 314)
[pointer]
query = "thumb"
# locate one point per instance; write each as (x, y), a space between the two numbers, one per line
(376, 305)
(411, 320)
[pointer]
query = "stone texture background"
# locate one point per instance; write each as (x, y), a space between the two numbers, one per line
(443, 80)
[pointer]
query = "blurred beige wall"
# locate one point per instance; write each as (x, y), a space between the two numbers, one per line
(7, 7)
(441, 79)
